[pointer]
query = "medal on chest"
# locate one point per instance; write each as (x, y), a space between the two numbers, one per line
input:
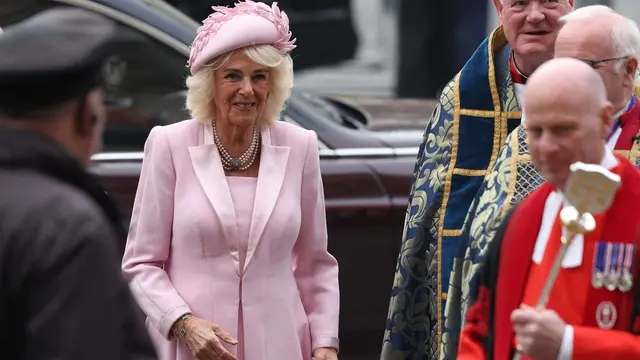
(606, 315)
(626, 276)
(613, 266)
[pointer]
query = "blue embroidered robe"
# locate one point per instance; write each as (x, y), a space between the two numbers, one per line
(476, 112)
(512, 178)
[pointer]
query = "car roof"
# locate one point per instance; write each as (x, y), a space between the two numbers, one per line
(155, 13)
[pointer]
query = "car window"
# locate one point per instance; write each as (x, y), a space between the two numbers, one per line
(145, 80)
(145, 87)
(13, 11)
(332, 111)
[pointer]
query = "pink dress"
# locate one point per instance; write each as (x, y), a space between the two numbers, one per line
(184, 247)
(243, 193)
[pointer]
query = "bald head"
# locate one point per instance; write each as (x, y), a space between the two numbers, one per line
(607, 39)
(592, 29)
(567, 117)
(565, 82)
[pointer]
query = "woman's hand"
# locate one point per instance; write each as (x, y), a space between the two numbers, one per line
(203, 337)
(325, 354)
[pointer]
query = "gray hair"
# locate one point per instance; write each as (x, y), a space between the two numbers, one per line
(200, 89)
(625, 36)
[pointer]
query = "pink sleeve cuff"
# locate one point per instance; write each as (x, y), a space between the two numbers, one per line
(325, 342)
(170, 318)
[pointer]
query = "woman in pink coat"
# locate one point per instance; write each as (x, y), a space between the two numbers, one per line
(227, 250)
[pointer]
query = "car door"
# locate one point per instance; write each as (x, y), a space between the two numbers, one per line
(361, 237)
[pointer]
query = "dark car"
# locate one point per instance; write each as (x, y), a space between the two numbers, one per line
(367, 148)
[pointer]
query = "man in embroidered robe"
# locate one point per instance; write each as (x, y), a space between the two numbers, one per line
(476, 111)
(608, 42)
(568, 120)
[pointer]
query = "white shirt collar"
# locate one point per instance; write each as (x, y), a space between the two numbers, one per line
(575, 253)
(609, 160)
(519, 92)
(626, 108)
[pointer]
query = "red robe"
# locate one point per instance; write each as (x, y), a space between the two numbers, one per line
(630, 123)
(489, 330)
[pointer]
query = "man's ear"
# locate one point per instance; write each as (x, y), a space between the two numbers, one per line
(499, 6)
(606, 119)
(85, 119)
(631, 70)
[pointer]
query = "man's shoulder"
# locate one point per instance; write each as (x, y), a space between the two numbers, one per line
(42, 207)
(629, 193)
(535, 200)
(34, 189)
(632, 171)
(448, 92)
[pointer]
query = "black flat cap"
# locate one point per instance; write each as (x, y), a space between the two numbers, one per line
(52, 57)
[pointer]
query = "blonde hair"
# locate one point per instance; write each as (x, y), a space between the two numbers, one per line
(200, 89)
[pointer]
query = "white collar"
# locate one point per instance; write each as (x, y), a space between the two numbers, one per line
(626, 108)
(609, 160)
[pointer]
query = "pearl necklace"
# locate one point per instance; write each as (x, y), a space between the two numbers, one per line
(243, 162)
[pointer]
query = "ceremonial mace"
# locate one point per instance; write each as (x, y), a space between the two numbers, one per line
(589, 190)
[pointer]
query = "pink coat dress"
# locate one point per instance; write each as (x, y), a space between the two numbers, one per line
(276, 285)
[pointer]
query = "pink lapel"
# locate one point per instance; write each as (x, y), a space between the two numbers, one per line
(208, 169)
(273, 168)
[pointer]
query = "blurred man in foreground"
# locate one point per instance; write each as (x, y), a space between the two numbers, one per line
(608, 42)
(476, 112)
(62, 295)
(568, 120)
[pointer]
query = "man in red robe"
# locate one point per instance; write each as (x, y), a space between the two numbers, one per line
(593, 309)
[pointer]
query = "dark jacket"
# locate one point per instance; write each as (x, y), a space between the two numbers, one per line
(62, 294)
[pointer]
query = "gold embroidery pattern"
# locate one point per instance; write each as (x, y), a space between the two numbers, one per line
(496, 41)
(414, 294)
(484, 222)
(504, 98)
(529, 178)
(414, 324)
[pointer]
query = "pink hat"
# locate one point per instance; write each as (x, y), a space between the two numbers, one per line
(248, 23)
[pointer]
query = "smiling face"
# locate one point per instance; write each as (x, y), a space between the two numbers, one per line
(241, 90)
(531, 26)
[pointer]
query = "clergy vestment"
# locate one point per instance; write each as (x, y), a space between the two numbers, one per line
(513, 177)
(604, 320)
(476, 112)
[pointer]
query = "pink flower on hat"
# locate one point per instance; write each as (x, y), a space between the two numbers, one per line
(252, 31)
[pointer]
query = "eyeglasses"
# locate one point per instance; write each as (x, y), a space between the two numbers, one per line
(593, 63)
